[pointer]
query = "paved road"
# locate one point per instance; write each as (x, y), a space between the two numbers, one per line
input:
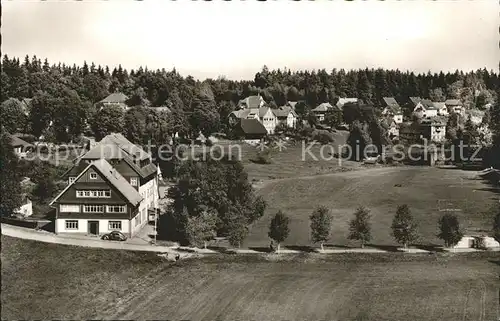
(43, 236)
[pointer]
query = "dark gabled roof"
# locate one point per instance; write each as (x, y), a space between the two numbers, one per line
(18, 142)
(428, 104)
(117, 97)
(252, 126)
(113, 177)
(115, 146)
(323, 107)
(390, 102)
(415, 100)
(252, 101)
(453, 102)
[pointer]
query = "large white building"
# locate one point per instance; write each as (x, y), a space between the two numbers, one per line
(113, 187)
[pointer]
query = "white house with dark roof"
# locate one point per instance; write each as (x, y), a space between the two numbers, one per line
(454, 106)
(425, 109)
(114, 186)
(391, 108)
(286, 115)
(323, 109)
(264, 115)
(115, 99)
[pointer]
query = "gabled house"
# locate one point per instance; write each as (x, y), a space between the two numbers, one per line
(252, 102)
(342, 101)
(391, 108)
(115, 99)
(392, 127)
(265, 115)
(425, 109)
(21, 147)
(286, 115)
(105, 177)
(441, 108)
(410, 131)
(434, 129)
(291, 104)
(454, 106)
(26, 209)
(322, 110)
(250, 130)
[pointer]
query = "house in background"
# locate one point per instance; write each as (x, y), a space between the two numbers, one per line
(322, 110)
(250, 130)
(411, 132)
(392, 127)
(114, 186)
(26, 210)
(160, 109)
(115, 99)
(286, 115)
(291, 104)
(441, 108)
(393, 109)
(252, 102)
(21, 147)
(434, 129)
(342, 101)
(454, 106)
(425, 109)
(264, 115)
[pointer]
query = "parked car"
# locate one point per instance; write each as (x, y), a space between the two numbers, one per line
(114, 236)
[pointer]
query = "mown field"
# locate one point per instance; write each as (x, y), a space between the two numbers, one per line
(48, 281)
(425, 189)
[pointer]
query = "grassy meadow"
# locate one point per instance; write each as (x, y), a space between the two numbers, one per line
(49, 281)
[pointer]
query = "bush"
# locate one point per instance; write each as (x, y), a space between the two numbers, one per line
(208, 143)
(263, 157)
(323, 136)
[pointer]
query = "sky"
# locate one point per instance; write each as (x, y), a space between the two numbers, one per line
(236, 39)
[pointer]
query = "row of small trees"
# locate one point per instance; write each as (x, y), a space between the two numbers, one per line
(404, 228)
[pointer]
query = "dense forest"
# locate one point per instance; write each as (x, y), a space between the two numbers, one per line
(63, 96)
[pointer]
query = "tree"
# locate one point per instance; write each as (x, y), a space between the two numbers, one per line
(10, 186)
(449, 230)
(278, 229)
(237, 229)
(13, 117)
(496, 227)
(437, 95)
(404, 228)
(202, 228)
(135, 125)
(107, 120)
(321, 220)
(360, 227)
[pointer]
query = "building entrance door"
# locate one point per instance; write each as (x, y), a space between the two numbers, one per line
(94, 227)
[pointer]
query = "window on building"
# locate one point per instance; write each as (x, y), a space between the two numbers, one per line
(72, 179)
(133, 181)
(94, 193)
(65, 208)
(93, 208)
(93, 175)
(115, 225)
(72, 225)
(116, 209)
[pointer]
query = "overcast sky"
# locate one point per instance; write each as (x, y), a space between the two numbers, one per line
(235, 39)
